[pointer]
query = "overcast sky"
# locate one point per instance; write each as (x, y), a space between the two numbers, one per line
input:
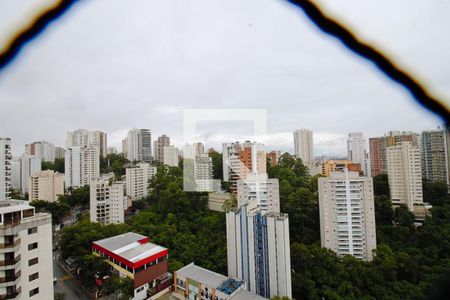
(114, 64)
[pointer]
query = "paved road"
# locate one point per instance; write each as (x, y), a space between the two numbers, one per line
(66, 283)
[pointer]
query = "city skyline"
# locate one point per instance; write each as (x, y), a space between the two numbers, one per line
(291, 54)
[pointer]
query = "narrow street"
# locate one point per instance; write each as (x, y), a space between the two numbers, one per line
(66, 283)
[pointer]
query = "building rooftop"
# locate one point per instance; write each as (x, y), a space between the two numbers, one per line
(132, 247)
(202, 275)
(12, 205)
(243, 294)
(229, 286)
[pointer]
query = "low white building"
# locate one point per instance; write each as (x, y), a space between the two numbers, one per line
(194, 282)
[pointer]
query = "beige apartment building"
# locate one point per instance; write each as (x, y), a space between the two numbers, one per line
(46, 185)
(405, 175)
(347, 214)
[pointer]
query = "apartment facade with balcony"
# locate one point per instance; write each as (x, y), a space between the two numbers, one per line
(25, 252)
(5, 168)
(347, 214)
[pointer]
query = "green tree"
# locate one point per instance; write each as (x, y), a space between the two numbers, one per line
(217, 164)
(381, 185)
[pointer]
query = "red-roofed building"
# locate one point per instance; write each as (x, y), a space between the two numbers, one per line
(133, 256)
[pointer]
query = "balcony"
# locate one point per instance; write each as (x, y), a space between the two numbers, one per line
(11, 295)
(10, 262)
(9, 244)
(7, 279)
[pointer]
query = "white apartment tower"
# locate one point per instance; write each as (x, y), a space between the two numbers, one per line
(259, 191)
(83, 137)
(46, 185)
(347, 214)
(82, 165)
(107, 202)
(22, 168)
(26, 239)
(258, 251)
(404, 174)
(171, 156)
(435, 158)
(139, 145)
(5, 168)
(303, 145)
(41, 149)
(203, 172)
(357, 151)
(137, 180)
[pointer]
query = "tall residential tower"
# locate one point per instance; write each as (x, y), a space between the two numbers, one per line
(347, 214)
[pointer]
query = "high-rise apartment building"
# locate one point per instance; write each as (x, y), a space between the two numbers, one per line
(159, 145)
(259, 191)
(107, 202)
(378, 146)
(303, 145)
(240, 160)
(171, 156)
(347, 214)
(137, 180)
(258, 251)
(26, 252)
(22, 168)
(203, 172)
(5, 168)
(42, 149)
(404, 174)
(46, 185)
(139, 145)
(125, 147)
(60, 152)
(83, 137)
(434, 156)
(357, 151)
(82, 166)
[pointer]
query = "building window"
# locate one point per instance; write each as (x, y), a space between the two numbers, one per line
(32, 246)
(32, 230)
(33, 261)
(34, 292)
(33, 276)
